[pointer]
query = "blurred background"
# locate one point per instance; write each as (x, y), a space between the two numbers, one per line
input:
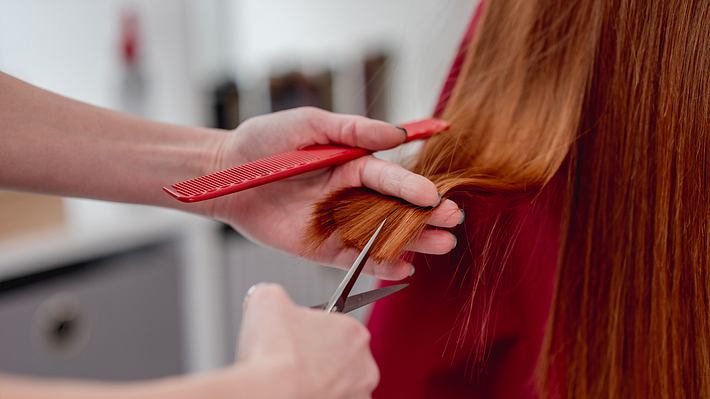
(120, 292)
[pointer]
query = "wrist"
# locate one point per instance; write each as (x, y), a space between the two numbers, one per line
(34, 388)
(284, 370)
(213, 151)
(215, 157)
(255, 379)
(190, 153)
(225, 150)
(203, 151)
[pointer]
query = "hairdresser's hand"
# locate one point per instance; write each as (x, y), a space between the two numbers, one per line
(309, 353)
(277, 214)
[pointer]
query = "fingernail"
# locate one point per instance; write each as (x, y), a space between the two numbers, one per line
(441, 198)
(406, 134)
(456, 241)
(412, 271)
(249, 293)
(463, 215)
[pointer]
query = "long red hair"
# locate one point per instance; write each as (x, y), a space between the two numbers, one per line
(611, 95)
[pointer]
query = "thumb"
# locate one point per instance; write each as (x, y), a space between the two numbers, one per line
(266, 297)
(357, 131)
(265, 308)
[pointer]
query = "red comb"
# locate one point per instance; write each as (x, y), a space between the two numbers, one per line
(283, 165)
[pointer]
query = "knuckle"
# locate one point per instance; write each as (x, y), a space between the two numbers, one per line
(372, 378)
(356, 332)
(404, 184)
(364, 335)
(360, 165)
(251, 121)
(387, 180)
(315, 119)
(348, 132)
(309, 111)
(383, 183)
(309, 115)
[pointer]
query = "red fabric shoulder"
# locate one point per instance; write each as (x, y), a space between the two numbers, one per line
(427, 338)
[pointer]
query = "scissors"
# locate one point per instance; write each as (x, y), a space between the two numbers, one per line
(340, 302)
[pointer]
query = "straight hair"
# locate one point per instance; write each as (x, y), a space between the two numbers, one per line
(612, 97)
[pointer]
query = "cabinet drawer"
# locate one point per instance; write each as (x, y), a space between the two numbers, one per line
(114, 318)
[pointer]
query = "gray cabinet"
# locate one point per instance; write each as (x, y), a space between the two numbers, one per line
(114, 318)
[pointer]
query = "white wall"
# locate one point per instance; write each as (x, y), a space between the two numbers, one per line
(72, 47)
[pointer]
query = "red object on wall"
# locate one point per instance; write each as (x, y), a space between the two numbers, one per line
(129, 37)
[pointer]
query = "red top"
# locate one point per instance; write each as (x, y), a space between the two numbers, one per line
(425, 337)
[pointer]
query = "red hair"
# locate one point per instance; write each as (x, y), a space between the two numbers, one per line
(613, 96)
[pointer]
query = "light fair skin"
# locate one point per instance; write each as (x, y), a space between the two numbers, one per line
(55, 145)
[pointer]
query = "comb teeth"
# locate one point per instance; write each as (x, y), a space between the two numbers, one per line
(245, 172)
(261, 171)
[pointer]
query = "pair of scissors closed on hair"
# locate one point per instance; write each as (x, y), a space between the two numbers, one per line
(340, 301)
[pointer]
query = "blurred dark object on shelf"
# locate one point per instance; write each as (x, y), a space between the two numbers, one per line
(295, 89)
(377, 85)
(225, 105)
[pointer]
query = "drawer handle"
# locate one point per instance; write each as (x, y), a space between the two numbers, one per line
(62, 328)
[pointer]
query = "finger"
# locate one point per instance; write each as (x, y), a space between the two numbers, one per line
(391, 179)
(265, 297)
(390, 271)
(385, 271)
(264, 305)
(369, 374)
(434, 242)
(446, 215)
(354, 130)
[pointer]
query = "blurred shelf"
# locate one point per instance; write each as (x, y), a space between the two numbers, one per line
(103, 229)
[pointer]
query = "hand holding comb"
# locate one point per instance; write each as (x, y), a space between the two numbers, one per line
(284, 165)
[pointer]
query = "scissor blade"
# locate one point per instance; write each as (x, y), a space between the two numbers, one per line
(366, 298)
(359, 300)
(348, 282)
